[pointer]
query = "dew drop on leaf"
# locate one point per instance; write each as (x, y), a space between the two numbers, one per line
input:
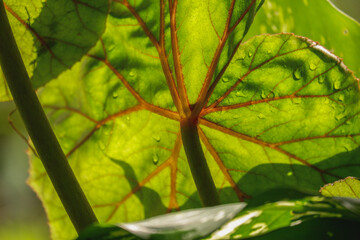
(240, 94)
(347, 148)
(326, 100)
(225, 80)
(157, 138)
(337, 85)
(289, 174)
(263, 95)
(297, 74)
(340, 116)
(250, 54)
(268, 51)
(341, 97)
(321, 79)
(241, 56)
(348, 122)
(312, 66)
(296, 100)
(132, 73)
(155, 159)
(115, 95)
(261, 116)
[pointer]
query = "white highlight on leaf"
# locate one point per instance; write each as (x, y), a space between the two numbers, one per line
(285, 204)
(295, 223)
(233, 224)
(188, 224)
(260, 228)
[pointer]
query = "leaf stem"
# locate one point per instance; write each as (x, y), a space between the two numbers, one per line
(40, 131)
(197, 162)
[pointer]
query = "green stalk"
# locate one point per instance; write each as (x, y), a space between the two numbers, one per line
(197, 162)
(40, 131)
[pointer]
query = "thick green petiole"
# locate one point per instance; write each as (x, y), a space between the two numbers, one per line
(40, 131)
(197, 162)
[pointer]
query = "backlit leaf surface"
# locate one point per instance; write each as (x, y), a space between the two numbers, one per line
(53, 35)
(319, 20)
(278, 110)
(348, 187)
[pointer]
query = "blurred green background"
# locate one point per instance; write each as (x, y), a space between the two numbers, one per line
(21, 213)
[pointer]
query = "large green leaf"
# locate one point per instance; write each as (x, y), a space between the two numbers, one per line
(278, 110)
(227, 222)
(53, 35)
(348, 187)
(316, 19)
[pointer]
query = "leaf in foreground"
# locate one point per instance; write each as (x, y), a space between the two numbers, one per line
(279, 110)
(227, 221)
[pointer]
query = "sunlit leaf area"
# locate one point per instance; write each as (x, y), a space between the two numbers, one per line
(273, 85)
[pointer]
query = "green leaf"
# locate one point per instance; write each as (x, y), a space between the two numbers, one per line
(328, 228)
(189, 224)
(348, 187)
(53, 35)
(319, 20)
(228, 221)
(281, 214)
(276, 111)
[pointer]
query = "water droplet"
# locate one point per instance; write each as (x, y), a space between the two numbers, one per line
(241, 56)
(268, 51)
(261, 116)
(340, 116)
(289, 173)
(348, 122)
(157, 138)
(346, 32)
(341, 97)
(312, 66)
(297, 74)
(321, 79)
(296, 100)
(115, 95)
(240, 94)
(132, 73)
(225, 80)
(347, 148)
(155, 159)
(250, 54)
(263, 95)
(127, 118)
(337, 85)
(330, 234)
